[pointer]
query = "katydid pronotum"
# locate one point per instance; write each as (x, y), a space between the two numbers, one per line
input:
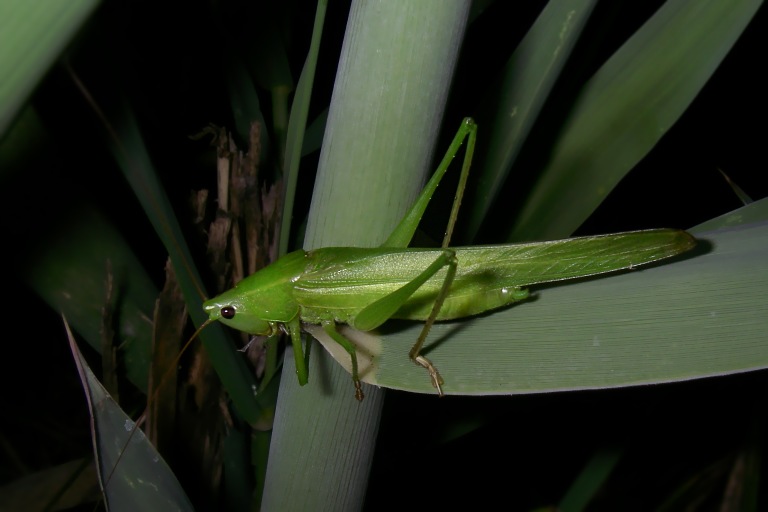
(364, 287)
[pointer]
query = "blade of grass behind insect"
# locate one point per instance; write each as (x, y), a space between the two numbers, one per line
(244, 103)
(696, 486)
(625, 109)
(70, 273)
(515, 100)
(265, 53)
(67, 259)
(21, 140)
(756, 212)
(746, 474)
(313, 137)
(254, 57)
(129, 150)
(33, 35)
(298, 124)
(132, 156)
(142, 480)
(393, 78)
(592, 477)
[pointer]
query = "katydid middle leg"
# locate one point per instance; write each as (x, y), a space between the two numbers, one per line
(301, 357)
(330, 329)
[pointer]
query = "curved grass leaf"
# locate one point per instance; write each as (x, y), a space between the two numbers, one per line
(625, 109)
(142, 480)
(514, 103)
(133, 158)
(298, 124)
(71, 275)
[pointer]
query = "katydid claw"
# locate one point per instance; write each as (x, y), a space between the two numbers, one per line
(359, 395)
(434, 375)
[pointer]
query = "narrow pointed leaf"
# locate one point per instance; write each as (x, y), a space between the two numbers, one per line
(132, 474)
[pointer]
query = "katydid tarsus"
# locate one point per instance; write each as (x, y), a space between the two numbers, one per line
(365, 287)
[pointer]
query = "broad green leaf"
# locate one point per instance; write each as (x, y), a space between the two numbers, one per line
(33, 35)
(700, 316)
(70, 273)
(592, 477)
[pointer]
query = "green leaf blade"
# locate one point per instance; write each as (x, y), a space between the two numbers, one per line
(625, 109)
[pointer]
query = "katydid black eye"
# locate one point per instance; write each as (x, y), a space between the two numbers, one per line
(228, 312)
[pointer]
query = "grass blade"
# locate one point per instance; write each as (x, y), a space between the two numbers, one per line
(142, 480)
(625, 109)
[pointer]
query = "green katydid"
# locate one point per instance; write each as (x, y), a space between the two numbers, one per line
(365, 287)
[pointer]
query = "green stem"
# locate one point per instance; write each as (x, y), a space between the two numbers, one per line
(392, 83)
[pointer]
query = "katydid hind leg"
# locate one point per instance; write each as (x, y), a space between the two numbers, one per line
(415, 352)
(467, 130)
(377, 313)
(468, 153)
(402, 234)
(330, 329)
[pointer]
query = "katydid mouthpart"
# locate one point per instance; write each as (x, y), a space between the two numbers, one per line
(364, 287)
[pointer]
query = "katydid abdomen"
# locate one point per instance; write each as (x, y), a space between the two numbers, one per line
(341, 282)
(337, 283)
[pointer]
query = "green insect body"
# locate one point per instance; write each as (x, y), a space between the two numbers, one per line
(364, 287)
(338, 283)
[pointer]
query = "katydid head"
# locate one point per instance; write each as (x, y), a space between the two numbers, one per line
(236, 314)
(261, 301)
